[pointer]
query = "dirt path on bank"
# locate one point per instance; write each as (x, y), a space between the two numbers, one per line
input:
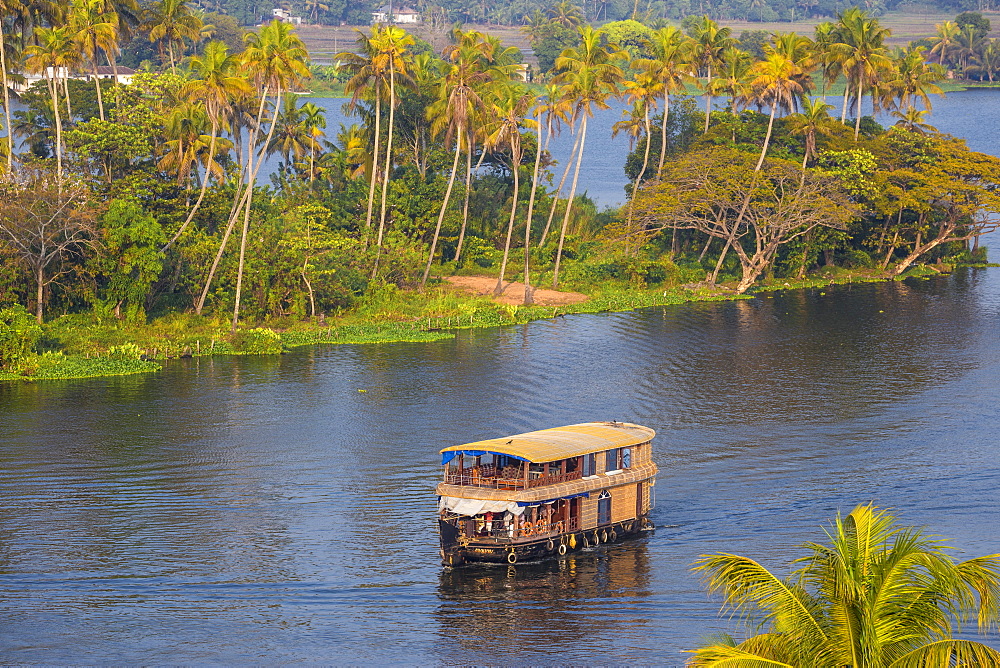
(513, 293)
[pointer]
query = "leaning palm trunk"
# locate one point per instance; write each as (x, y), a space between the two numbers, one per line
(113, 62)
(97, 83)
(465, 204)
(374, 174)
(6, 105)
(69, 105)
(569, 202)
(638, 180)
(857, 121)
(555, 200)
(386, 169)
(767, 138)
(53, 88)
(237, 203)
(708, 98)
(246, 211)
(444, 206)
(515, 163)
(204, 187)
(528, 291)
(663, 135)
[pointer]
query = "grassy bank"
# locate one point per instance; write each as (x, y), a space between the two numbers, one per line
(88, 345)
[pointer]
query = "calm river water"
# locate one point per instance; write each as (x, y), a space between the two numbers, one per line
(281, 509)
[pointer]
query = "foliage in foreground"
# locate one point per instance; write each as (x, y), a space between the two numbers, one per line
(878, 594)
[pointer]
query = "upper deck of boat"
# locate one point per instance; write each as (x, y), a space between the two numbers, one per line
(549, 462)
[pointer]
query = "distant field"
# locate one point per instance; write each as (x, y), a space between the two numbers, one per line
(906, 25)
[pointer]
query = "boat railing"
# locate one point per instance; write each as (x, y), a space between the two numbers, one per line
(501, 532)
(554, 479)
(477, 479)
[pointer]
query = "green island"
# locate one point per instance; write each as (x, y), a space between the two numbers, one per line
(200, 206)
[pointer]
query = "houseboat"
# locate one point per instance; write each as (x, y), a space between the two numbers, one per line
(544, 493)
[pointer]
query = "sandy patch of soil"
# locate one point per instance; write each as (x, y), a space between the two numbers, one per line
(513, 293)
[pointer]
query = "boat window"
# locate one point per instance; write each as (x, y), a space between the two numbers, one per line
(572, 464)
(611, 463)
(626, 458)
(590, 464)
(604, 508)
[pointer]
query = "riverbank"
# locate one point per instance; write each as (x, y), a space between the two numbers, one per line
(88, 345)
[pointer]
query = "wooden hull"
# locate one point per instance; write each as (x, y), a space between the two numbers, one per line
(456, 551)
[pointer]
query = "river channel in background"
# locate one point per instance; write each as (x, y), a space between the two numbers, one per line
(237, 510)
(963, 114)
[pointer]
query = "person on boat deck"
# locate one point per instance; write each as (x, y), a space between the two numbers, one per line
(489, 523)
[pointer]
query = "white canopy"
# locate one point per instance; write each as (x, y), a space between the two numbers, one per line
(472, 507)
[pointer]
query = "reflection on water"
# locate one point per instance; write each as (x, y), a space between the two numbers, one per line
(531, 613)
(265, 510)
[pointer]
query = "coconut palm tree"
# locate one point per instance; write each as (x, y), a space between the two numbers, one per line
(734, 77)
(509, 106)
(188, 145)
(393, 47)
(216, 85)
(275, 60)
(801, 51)
(529, 292)
(9, 52)
(314, 122)
(862, 55)
(823, 38)
(709, 42)
(498, 63)
(314, 7)
(988, 60)
(458, 100)
(912, 119)
(557, 108)
(291, 136)
(566, 14)
(877, 594)
(945, 40)
(48, 57)
(95, 29)
(670, 62)
(967, 45)
(642, 93)
(813, 120)
(775, 84)
(913, 78)
(372, 78)
(591, 74)
(171, 22)
(368, 78)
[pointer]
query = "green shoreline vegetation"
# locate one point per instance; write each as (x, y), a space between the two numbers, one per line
(137, 225)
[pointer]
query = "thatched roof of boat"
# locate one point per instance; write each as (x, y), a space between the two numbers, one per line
(549, 445)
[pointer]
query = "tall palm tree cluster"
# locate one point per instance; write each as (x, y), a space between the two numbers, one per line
(62, 38)
(966, 51)
(435, 132)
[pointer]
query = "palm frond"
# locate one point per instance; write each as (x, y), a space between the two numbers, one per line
(947, 653)
(748, 586)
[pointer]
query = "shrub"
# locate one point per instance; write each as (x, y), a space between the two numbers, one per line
(257, 341)
(18, 334)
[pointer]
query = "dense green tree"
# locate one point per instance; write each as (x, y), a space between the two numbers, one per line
(130, 259)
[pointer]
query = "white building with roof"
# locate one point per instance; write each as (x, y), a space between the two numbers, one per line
(400, 15)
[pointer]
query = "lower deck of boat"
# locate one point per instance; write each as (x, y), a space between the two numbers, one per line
(492, 550)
